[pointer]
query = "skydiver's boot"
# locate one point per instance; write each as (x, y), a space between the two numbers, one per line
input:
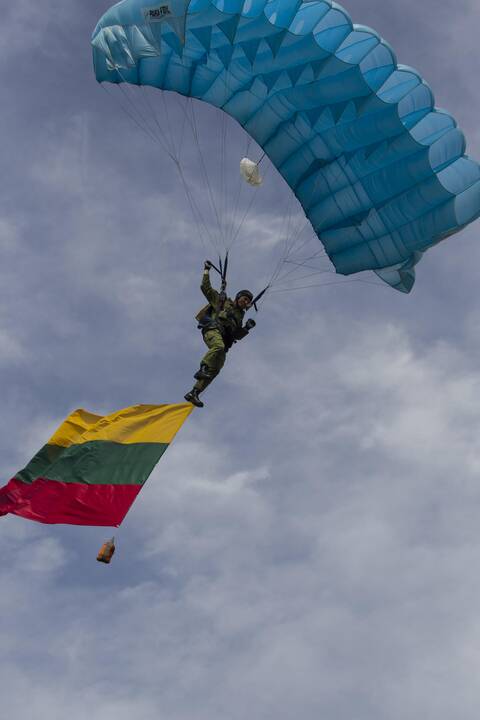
(192, 397)
(204, 373)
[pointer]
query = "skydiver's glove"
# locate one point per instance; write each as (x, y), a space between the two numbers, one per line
(207, 265)
(250, 324)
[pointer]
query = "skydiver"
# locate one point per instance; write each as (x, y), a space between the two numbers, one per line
(221, 323)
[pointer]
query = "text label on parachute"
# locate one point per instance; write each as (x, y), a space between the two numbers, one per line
(157, 13)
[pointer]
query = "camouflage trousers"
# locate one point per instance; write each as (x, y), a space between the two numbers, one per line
(214, 358)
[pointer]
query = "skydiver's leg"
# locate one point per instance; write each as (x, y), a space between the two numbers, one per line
(213, 360)
(211, 364)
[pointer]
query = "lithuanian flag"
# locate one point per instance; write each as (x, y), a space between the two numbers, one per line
(93, 467)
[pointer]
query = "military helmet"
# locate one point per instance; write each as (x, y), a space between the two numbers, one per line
(244, 293)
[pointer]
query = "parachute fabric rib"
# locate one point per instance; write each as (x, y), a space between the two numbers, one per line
(93, 467)
(379, 171)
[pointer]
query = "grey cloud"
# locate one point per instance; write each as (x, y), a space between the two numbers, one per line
(307, 546)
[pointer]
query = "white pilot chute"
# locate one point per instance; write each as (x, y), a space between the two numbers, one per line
(250, 172)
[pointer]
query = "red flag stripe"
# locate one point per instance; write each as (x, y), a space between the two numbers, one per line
(53, 501)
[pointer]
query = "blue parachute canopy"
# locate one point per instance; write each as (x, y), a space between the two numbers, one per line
(379, 171)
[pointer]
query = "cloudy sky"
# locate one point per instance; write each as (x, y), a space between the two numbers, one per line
(309, 546)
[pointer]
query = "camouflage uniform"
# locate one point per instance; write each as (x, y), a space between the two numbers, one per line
(221, 328)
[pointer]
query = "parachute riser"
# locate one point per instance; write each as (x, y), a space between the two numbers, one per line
(257, 297)
(223, 275)
(222, 271)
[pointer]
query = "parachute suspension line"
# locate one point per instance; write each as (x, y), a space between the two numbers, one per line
(190, 119)
(295, 237)
(236, 224)
(224, 184)
(198, 218)
(226, 222)
(233, 220)
(188, 104)
(308, 275)
(240, 225)
(200, 222)
(290, 275)
(157, 130)
(259, 296)
(223, 178)
(292, 237)
(239, 218)
(158, 137)
(293, 249)
(233, 188)
(280, 261)
(144, 127)
(204, 170)
(297, 245)
(182, 134)
(161, 130)
(305, 221)
(225, 219)
(333, 282)
(289, 214)
(215, 210)
(234, 217)
(197, 215)
(319, 253)
(290, 244)
(152, 135)
(223, 156)
(169, 124)
(129, 96)
(306, 225)
(303, 264)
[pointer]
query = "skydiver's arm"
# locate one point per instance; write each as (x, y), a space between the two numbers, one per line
(242, 332)
(207, 290)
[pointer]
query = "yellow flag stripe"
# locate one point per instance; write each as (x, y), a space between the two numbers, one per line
(135, 424)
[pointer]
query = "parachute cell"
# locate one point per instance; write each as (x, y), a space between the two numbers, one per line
(379, 171)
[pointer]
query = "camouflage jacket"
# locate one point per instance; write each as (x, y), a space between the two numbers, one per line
(229, 319)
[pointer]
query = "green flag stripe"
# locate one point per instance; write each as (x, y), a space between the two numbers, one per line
(39, 463)
(96, 462)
